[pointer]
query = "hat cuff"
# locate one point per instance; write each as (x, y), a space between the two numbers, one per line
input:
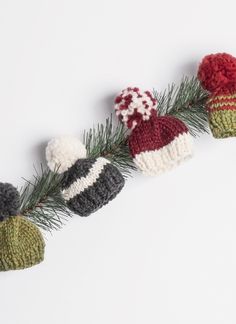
(22, 261)
(223, 123)
(158, 161)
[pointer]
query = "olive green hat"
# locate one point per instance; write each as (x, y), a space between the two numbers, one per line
(21, 243)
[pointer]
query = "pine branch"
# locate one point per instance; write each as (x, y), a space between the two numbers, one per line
(186, 102)
(41, 200)
(110, 142)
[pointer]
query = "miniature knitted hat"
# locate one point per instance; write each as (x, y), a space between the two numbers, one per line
(156, 143)
(217, 74)
(87, 183)
(21, 243)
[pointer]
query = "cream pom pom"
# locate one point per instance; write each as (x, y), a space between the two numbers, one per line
(63, 152)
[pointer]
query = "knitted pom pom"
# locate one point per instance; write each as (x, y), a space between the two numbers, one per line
(63, 152)
(218, 71)
(9, 200)
(132, 106)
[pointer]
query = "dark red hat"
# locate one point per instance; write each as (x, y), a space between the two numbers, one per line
(157, 143)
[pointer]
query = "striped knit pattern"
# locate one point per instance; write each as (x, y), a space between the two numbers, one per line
(222, 115)
(159, 144)
(90, 184)
(158, 161)
(21, 244)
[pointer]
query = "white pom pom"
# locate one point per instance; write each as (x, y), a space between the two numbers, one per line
(63, 152)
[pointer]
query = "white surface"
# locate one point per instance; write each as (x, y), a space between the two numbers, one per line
(164, 251)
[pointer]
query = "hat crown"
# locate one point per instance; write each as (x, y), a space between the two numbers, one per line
(155, 133)
(79, 170)
(21, 244)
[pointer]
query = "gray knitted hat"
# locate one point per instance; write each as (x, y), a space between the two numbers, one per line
(87, 184)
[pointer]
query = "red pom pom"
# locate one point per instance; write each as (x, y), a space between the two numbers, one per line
(218, 72)
(132, 106)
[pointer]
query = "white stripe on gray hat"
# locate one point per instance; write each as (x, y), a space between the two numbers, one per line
(83, 183)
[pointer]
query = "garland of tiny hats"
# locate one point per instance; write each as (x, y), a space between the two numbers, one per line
(153, 137)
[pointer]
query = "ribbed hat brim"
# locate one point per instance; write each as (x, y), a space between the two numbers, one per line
(22, 260)
(101, 190)
(223, 123)
(158, 161)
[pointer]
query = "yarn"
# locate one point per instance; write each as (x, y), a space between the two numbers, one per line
(9, 200)
(21, 243)
(63, 152)
(87, 184)
(156, 143)
(132, 106)
(217, 74)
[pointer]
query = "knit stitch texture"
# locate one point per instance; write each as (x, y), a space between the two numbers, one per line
(90, 184)
(9, 200)
(217, 73)
(87, 183)
(21, 244)
(156, 143)
(160, 144)
(222, 115)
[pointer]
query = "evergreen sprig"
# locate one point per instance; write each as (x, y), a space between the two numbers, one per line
(41, 200)
(187, 102)
(111, 142)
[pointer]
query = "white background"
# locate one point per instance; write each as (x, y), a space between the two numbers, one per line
(164, 251)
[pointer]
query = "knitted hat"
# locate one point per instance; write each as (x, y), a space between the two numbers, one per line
(21, 243)
(217, 74)
(87, 183)
(156, 143)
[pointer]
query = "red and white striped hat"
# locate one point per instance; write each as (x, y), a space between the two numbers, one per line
(157, 143)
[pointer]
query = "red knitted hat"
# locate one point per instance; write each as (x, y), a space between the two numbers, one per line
(217, 74)
(156, 143)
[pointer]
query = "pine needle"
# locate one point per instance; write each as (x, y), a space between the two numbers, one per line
(111, 142)
(41, 200)
(186, 102)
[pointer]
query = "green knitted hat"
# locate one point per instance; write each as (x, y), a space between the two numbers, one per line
(21, 243)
